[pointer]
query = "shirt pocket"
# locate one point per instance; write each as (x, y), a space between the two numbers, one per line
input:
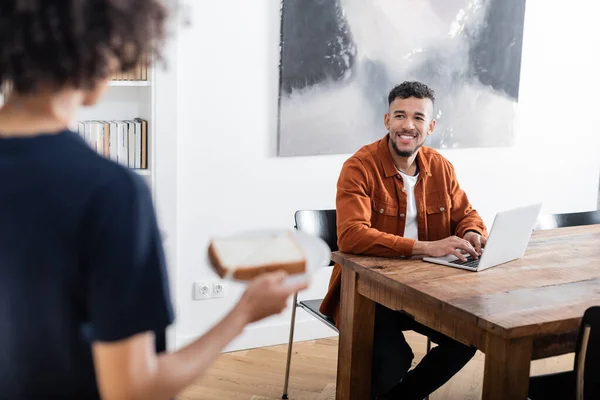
(438, 219)
(386, 208)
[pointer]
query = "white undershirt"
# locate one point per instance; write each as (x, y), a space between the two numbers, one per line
(411, 228)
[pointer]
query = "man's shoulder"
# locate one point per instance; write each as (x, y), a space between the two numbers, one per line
(367, 153)
(431, 153)
(434, 157)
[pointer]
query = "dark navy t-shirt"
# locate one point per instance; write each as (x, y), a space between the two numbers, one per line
(81, 260)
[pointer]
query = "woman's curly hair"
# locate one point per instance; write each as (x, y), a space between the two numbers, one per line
(76, 42)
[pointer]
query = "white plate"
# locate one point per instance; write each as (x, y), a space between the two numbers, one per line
(315, 249)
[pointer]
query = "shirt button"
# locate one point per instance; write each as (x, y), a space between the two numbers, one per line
(401, 215)
(381, 211)
(442, 209)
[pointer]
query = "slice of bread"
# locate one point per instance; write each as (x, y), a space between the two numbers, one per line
(244, 258)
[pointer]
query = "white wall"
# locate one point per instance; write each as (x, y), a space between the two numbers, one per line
(229, 178)
(165, 163)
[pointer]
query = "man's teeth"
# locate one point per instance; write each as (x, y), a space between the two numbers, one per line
(407, 137)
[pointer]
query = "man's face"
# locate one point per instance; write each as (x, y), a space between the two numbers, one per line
(409, 122)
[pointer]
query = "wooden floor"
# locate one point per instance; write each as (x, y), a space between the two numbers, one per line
(258, 374)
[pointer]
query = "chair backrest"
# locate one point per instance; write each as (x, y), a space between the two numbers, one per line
(587, 356)
(321, 223)
(551, 221)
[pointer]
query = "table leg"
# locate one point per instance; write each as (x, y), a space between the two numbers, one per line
(507, 363)
(357, 319)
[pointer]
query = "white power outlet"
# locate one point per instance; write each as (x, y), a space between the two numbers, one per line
(209, 290)
(202, 291)
(218, 289)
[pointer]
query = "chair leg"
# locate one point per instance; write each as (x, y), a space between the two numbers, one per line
(289, 352)
(428, 348)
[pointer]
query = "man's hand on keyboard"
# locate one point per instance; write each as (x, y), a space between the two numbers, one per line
(440, 248)
(476, 240)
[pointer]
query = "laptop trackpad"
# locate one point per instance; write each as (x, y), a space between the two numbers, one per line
(448, 258)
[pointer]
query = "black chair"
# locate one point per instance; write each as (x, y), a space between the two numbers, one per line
(551, 221)
(583, 382)
(321, 223)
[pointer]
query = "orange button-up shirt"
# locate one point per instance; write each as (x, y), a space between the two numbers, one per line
(371, 208)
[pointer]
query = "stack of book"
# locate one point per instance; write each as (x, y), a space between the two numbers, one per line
(139, 73)
(125, 142)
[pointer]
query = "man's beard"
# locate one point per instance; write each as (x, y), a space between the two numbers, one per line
(404, 153)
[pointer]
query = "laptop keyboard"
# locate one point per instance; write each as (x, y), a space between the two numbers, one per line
(470, 263)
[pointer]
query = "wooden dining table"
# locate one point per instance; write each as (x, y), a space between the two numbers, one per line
(517, 312)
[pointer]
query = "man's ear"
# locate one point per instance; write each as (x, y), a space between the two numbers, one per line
(386, 121)
(431, 127)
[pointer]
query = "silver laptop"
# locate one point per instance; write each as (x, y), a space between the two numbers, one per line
(507, 241)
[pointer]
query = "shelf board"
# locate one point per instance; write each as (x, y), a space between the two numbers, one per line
(130, 83)
(143, 172)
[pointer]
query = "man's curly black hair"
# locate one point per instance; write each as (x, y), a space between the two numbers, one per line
(75, 42)
(411, 89)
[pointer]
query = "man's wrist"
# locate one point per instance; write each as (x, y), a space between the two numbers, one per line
(421, 248)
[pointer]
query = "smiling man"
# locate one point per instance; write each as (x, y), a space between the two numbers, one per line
(397, 198)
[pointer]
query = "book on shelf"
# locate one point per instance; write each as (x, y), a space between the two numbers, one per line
(138, 73)
(125, 142)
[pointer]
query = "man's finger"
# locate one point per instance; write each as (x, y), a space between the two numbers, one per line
(459, 255)
(477, 243)
(483, 240)
(467, 244)
(469, 249)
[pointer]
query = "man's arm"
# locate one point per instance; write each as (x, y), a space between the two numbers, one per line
(353, 206)
(129, 369)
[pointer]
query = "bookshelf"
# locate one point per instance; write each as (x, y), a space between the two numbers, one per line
(130, 83)
(127, 97)
(142, 172)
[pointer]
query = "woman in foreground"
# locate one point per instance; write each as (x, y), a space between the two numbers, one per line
(83, 283)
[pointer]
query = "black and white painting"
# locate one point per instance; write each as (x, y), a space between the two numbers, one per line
(340, 58)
